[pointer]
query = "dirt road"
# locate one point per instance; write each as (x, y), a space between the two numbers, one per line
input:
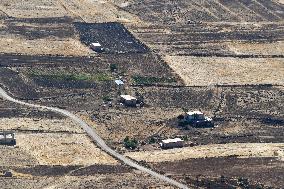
(99, 141)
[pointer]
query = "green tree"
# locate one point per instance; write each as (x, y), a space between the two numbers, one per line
(130, 143)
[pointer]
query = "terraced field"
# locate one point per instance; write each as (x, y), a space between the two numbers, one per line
(222, 57)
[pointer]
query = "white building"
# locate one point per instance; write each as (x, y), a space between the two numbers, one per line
(97, 47)
(172, 143)
(7, 137)
(194, 115)
(128, 100)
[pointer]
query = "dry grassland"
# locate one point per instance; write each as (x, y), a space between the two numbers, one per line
(243, 150)
(68, 47)
(63, 149)
(44, 125)
(32, 8)
(273, 48)
(216, 70)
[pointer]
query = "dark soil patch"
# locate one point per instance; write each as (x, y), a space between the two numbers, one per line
(40, 28)
(193, 11)
(52, 82)
(46, 170)
(113, 37)
(268, 171)
(20, 60)
(76, 170)
(10, 112)
(101, 169)
(46, 20)
(15, 84)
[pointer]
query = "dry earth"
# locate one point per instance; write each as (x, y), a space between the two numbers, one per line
(242, 150)
(63, 149)
(39, 125)
(220, 70)
(51, 46)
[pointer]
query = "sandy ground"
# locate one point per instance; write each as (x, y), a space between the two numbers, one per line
(280, 1)
(86, 10)
(14, 156)
(97, 11)
(274, 48)
(63, 149)
(215, 150)
(108, 181)
(43, 46)
(213, 70)
(44, 125)
(32, 8)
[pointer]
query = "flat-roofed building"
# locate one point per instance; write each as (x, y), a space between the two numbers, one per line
(172, 143)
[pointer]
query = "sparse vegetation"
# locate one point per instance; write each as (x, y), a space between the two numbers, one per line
(106, 98)
(70, 76)
(143, 80)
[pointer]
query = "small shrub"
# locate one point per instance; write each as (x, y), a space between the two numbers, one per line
(113, 67)
(106, 98)
(185, 138)
(130, 143)
(152, 140)
(180, 117)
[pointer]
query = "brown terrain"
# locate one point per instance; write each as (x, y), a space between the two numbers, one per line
(225, 58)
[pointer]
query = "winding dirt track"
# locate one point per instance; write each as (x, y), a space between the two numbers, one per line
(100, 142)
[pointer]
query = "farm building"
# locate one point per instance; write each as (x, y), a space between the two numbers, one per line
(97, 47)
(172, 143)
(194, 115)
(128, 100)
(7, 138)
(197, 118)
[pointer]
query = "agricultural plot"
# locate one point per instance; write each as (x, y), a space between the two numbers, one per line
(223, 58)
(35, 36)
(113, 37)
(228, 172)
(130, 179)
(227, 70)
(241, 114)
(81, 75)
(204, 11)
(209, 39)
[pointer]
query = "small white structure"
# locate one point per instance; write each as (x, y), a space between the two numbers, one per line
(119, 82)
(97, 47)
(172, 143)
(128, 100)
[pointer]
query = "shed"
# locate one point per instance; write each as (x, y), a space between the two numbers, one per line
(172, 143)
(119, 82)
(128, 100)
(97, 47)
